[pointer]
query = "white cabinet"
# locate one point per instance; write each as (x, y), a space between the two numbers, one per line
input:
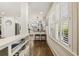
(8, 26)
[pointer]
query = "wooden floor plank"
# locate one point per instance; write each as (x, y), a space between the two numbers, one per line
(40, 48)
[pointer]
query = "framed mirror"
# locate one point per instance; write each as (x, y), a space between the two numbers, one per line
(8, 22)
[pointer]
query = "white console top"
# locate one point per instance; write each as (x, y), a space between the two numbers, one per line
(5, 42)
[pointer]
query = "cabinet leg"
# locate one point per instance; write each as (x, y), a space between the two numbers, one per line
(9, 50)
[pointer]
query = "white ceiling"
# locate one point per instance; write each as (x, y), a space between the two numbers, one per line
(13, 8)
(10, 8)
(36, 7)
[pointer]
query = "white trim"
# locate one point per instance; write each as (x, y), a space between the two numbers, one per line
(65, 48)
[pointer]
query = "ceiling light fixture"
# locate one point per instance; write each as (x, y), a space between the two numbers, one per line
(2, 12)
(41, 12)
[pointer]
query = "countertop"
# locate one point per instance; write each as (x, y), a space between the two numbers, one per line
(5, 42)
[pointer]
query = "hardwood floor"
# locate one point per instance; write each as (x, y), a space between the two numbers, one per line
(40, 48)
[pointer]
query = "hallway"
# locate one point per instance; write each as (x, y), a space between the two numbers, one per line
(40, 48)
(39, 29)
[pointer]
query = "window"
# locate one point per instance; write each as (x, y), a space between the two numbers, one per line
(53, 25)
(59, 23)
(59, 30)
(64, 30)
